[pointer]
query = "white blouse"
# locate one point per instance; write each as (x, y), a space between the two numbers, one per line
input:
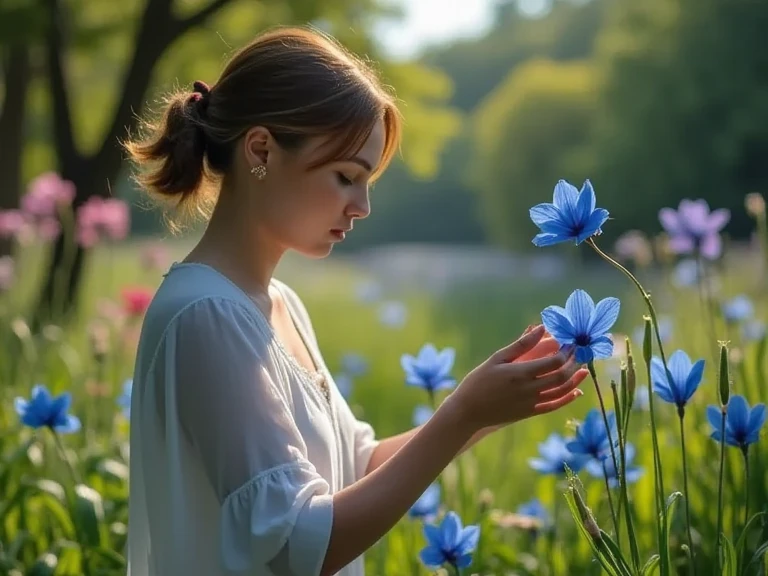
(234, 452)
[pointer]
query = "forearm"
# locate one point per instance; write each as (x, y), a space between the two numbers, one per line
(388, 447)
(365, 511)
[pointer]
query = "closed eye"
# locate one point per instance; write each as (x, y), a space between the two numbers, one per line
(343, 180)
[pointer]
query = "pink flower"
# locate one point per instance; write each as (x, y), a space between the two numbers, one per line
(46, 194)
(12, 223)
(102, 218)
(136, 300)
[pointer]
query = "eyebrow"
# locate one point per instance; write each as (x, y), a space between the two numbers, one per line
(362, 162)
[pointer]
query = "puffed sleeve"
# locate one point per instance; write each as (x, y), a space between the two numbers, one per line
(276, 510)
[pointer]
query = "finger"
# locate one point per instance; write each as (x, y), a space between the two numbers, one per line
(554, 378)
(552, 405)
(572, 381)
(540, 366)
(545, 347)
(519, 347)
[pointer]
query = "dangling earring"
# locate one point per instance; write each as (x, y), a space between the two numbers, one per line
(259, 171)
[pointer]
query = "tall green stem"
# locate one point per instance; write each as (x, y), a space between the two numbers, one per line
(65, 458)
(652, 312)
(720, 491)
(624, 491)
(745, 452)
(681, 414)
(593, 374)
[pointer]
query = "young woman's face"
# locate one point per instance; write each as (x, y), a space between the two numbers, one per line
(310, 210)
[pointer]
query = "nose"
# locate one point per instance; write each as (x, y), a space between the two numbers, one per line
(360, 205)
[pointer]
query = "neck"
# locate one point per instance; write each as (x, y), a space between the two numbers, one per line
(237, 247)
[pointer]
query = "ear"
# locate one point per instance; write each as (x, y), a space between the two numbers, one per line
(257, 144)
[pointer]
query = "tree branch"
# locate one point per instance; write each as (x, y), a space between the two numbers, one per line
(62, 121)
(184, 25)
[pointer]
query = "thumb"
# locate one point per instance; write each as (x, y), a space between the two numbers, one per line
(525, 343)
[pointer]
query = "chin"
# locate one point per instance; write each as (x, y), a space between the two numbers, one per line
(317, 252)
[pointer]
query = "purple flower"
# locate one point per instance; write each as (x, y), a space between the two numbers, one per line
(692, 227)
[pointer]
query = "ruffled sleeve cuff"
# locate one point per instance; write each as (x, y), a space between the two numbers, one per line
(289, 505)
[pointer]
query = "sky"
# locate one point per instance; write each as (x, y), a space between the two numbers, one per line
(429, 22)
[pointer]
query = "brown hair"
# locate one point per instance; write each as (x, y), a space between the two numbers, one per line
(296, 82)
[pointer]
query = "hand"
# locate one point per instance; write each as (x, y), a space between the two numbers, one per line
(507, 388)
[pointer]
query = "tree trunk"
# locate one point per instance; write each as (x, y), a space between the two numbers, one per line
(16, 75)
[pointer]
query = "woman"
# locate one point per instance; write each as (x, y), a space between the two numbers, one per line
(245, 459)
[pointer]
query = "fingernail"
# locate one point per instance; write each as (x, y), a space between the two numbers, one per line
(578, 392)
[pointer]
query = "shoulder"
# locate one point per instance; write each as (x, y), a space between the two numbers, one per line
(203, 305)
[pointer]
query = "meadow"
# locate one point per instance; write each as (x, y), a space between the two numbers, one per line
(63, 495)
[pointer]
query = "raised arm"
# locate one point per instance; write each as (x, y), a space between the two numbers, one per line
(496, 392)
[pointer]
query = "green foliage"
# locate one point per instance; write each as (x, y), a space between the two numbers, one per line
(530, 132)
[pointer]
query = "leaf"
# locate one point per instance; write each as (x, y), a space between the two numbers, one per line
(650, 566)
(741, 540)
(14, 458)
(757, 555)
(730, 560)
(665, 529)
(114, 560)
(616, 552)
(88, 515)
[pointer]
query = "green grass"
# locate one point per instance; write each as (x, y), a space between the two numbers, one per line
(475, 319)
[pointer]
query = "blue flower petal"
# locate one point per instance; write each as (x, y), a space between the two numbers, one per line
(464, 561)
(71, 424)
(433, 535)
(566, 198)
(451, 529)
(557, 323)
(717, 435)
(664, 392)
(580, 308)
(545, 213)
(594, 224)
(432, 557)
(715, 417)
(586, 203)
(602, 347)
(546, 239)
(443, 384)
(541, 465)
(604, 317)
(658, 374)
(694, 379)
(679, 365)
(407, 362)
(738, 413)
(468, 540)
(445, 360)
(756, 418)
(21, 406)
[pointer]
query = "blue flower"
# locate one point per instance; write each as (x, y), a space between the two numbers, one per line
(421, 414)
(431, 369)
(354, 364)
(535, 509)
(742, 424)
(591, 436)
(686, 273)
(571, 216)
(124, 400)
(393, 314)
(555, 456)
(583, 325)
(686, 378)
(42, 409)
(450, 543)
(737, 309)
(343, 384)
(427, 504)
(753, 330)
(607, 468)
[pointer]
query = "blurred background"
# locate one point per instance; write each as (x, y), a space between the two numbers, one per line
(653, 101)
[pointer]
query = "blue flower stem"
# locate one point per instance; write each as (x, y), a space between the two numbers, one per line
(624, 489)
(745, 452)
(681, 414)
(610, 502)
(718, 535)
(65, 458)
(593, 374)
